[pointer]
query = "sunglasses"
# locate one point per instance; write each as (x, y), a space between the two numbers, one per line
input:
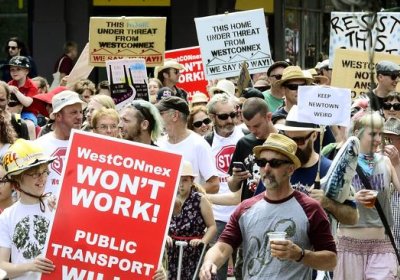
(198, 124)
(388, 106)
(224, 117)
(274, 163)
(301, 140)
(393, 75)
(277, 77)
(293, 86)
(176, 71)
(12, 47)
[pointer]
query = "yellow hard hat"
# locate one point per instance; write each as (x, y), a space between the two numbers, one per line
(22, 155)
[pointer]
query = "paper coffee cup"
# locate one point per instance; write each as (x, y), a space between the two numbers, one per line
(277, 235)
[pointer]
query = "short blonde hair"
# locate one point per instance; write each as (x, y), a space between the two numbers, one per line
(366, 119)
(104, 112)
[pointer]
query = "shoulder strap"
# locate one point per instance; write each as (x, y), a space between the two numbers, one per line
(209, 138)
(378, 207)
(59, 64)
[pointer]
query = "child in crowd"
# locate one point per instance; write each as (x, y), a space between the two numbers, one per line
(24, 225)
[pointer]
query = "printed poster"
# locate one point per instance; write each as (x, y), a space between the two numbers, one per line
(192, 78)
(128, 80)
(227, 40)
(127, 37)
(113, 211)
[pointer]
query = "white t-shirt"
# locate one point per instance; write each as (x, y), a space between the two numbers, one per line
(24, 229)
(222, 149)
(54, 148)
(195, 149)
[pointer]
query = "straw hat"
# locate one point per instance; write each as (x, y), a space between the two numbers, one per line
(168, 63)
(281, 144)
(293, 73)
(187, 169)
(392, 126)
(292, 123)
(199, 97)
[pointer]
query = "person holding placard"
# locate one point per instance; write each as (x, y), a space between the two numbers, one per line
(24, 225)
(364, 249)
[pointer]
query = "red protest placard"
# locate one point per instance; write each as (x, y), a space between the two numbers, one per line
(192, 79)
(113, 211)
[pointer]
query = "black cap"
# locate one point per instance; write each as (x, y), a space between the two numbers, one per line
(175, 103)
(275, 65)
(252, 92)
(19, 61)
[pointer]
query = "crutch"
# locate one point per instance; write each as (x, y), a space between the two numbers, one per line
(200, 261)
(180, 244)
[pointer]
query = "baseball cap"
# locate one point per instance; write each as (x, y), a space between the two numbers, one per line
(386, 66)
(19, 61)
(275, 65)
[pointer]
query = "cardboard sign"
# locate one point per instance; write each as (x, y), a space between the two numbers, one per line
(127, 37)
(350, 31)
(192, 78)
(352, 69)
(128, 80)
(81, 68)
(324, 105)
(228, 40)
(113, 211)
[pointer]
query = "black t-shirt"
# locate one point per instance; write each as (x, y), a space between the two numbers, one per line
(244, 153)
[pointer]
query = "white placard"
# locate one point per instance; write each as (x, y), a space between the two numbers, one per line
(229, 39)
(350, 31)
(324, 105)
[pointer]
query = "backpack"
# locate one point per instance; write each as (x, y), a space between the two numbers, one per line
(20, 126)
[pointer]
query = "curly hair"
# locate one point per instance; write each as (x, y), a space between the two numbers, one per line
(7, 132)
(193, 112)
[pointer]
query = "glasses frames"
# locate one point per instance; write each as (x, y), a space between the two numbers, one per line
(273, 163)
(12, 48)
(224, 117)
(300, 140)
(105, 127)
(198, 124)
(293, 86)
(388, 106)
(392, 75)
(277, 76)
(38, 174)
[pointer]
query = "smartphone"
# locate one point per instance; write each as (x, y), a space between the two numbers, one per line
(240, 165)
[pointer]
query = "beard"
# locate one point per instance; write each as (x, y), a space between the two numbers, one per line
(304, 155)
(135, 134)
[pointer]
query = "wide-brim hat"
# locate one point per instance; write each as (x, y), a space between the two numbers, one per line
(63, 99)
(292, 123)
(224, 86)
(22, 155)
(281, 144)
(187, 169)
(199, 97)
(392, 126)
(293, 73)
(168, 63)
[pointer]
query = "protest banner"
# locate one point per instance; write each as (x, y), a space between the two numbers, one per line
(229, 39)
(127, 37)
(113, 211)
(324, 105)
(350, 31)
(352, 69)
(128, 80)
(192, 78)
(81, 68)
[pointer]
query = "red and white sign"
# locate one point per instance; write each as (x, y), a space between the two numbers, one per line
(192, 79)
(113, 211)
(223, 158)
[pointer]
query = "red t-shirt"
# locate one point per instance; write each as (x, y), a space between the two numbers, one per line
(29, 89)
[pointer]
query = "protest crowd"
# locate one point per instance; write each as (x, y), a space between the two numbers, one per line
(262, 193)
